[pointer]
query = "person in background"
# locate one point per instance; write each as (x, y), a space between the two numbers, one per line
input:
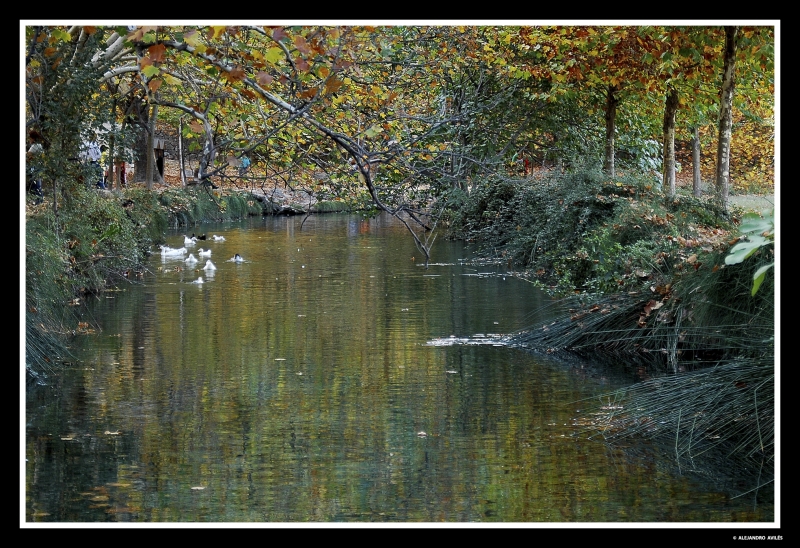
(33, 159)
(91, 153)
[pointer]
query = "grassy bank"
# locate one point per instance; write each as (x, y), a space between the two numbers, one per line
(95, 240)
(645, 284)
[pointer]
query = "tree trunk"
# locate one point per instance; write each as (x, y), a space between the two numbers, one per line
(697, 181)
(722, 181)
(611, 119)
(670, 109)
(150, 152)
(111, 164)
(180, 152)
(110, 157)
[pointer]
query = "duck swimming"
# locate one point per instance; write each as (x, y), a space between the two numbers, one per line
(209, 265)
(189, 241)
(203, 252)
(237, 258)
(201, 237)
(166, 250)
(191, 259)
(199, 280)
(218, 238)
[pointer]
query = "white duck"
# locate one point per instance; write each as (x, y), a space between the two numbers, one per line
(170, 251)
(199, 280)
(191, 259)
(189, 241)
(218, 238)
(209, 265)
(203, 252)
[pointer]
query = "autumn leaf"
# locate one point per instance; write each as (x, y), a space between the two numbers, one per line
(156, 53)
(171, 80)
(150, 71)
(264, 79)
(273, 55)
(216, 31)
(279, 34)
(192, 38)
(236, 74)
(154, 84)
(301, 45)
(333, 85)
(301, 64)
(308, 94)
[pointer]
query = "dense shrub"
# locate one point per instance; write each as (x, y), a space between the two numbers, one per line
(585, 232)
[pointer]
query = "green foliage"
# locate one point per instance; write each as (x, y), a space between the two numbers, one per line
(102, 240)
(104, 243)
(540, 224)
(758, 232)
(582, 232)
(331, 206)
(47, 290)
(187, 206)
(146, 214)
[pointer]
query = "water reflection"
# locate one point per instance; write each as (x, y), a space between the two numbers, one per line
(301, 385)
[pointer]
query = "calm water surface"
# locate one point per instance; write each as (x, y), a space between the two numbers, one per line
(300, 386)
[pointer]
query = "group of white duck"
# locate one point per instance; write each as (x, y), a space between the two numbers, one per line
(191, 260)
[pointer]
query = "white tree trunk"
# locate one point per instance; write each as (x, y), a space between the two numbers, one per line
(670, 108)
(726, 118)
(151, 157)
(697, 181)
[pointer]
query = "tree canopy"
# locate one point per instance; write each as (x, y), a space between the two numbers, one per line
(407, 113)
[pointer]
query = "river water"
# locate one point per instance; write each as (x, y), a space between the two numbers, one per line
(316, 382)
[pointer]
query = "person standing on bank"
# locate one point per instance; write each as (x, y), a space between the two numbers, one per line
(91, 153)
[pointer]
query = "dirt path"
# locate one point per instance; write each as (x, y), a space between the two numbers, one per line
(754, 202)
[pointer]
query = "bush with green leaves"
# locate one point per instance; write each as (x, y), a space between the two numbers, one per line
(187, 206)
(542, 224)
(757, 233)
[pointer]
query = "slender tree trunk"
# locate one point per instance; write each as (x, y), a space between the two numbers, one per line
(180, 152)
(697, 182)
(722, 182)
(151, 158)
(611, 120)
(670, 109)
